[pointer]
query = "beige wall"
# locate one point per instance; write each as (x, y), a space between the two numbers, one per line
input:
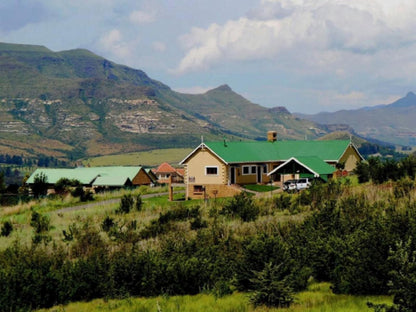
(195, 169)
(211, 191)
(350, 158)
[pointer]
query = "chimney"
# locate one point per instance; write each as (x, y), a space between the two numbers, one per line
(271, 136)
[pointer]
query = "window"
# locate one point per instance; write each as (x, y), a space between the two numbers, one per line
(198, 189)
(211, 170)
(264, 169)
(246, 170)
(249, 170)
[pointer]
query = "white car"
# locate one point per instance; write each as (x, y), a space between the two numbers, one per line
(297, 185)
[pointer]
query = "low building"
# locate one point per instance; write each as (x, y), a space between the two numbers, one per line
(95, 177)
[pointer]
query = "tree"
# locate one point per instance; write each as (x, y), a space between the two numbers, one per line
(2, 182)
(271, 287)
(40, 185)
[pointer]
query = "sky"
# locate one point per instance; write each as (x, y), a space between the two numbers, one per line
(307, 55)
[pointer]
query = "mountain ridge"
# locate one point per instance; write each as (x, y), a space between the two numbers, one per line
(392, 122)
(93, 106)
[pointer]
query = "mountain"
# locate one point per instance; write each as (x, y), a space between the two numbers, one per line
(73, 104)
(394, 123)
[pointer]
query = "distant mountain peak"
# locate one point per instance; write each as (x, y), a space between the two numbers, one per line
(410, 94)
(224, 88)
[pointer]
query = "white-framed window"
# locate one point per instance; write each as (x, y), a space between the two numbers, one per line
(264, 169)
(246, 170)
(211, 170)
(249, 170)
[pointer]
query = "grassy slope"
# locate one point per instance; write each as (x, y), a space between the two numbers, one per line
(318, 298)
(148, 158)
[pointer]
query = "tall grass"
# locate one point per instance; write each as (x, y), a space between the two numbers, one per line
(318, 298)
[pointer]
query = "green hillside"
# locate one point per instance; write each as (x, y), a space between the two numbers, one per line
(94, 107)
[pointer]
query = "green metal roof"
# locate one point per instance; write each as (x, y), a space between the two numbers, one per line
(54, 175)
(263, 151)
(111, 181)
(111, 171)
(317, 165)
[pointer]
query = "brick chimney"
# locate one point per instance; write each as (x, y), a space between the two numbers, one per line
(271, 136)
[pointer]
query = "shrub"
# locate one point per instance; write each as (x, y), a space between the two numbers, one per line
(271, 287)
(41, 226)
(139, 203)
(6, 229)
(242, 206)
(403, 187)
(126, 204)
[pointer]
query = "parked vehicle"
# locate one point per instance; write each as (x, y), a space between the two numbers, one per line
(297, 184)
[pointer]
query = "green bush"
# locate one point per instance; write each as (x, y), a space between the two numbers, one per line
(272, 288)
(241, 206)
(126, 204)
(6, 229)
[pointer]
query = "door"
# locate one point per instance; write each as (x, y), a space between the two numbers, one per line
(232, 175)
(259, 173)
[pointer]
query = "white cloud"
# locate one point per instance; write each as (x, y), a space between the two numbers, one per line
(305, 33)
(142, 17)
(159, 46)
(112, 41)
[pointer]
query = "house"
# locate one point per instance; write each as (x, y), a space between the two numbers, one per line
(214, 168)
(152, 176)
(165, 171)
(97, 178)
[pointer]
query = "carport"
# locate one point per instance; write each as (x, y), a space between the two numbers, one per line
(304, 167)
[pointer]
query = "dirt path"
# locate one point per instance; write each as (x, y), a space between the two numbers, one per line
(106, 202)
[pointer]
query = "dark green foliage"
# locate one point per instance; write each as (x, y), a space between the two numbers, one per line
(40, 185)
(380, 171)
(126, 204)
(78, 191)
(403, 276)
(271, 287)
(139, 202)
(69, 235)
(241, 206)
(107, 224)
(41, 226)
(198, 223)
(6, 229)
(2, 182)
(283, 201)
(162, 224)
(64, 185)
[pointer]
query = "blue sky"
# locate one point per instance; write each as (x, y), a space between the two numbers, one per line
(306, 55)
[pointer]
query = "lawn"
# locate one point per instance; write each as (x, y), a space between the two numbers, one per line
(260, 187)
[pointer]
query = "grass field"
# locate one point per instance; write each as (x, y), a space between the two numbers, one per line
(149, 158)
(318, 298)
